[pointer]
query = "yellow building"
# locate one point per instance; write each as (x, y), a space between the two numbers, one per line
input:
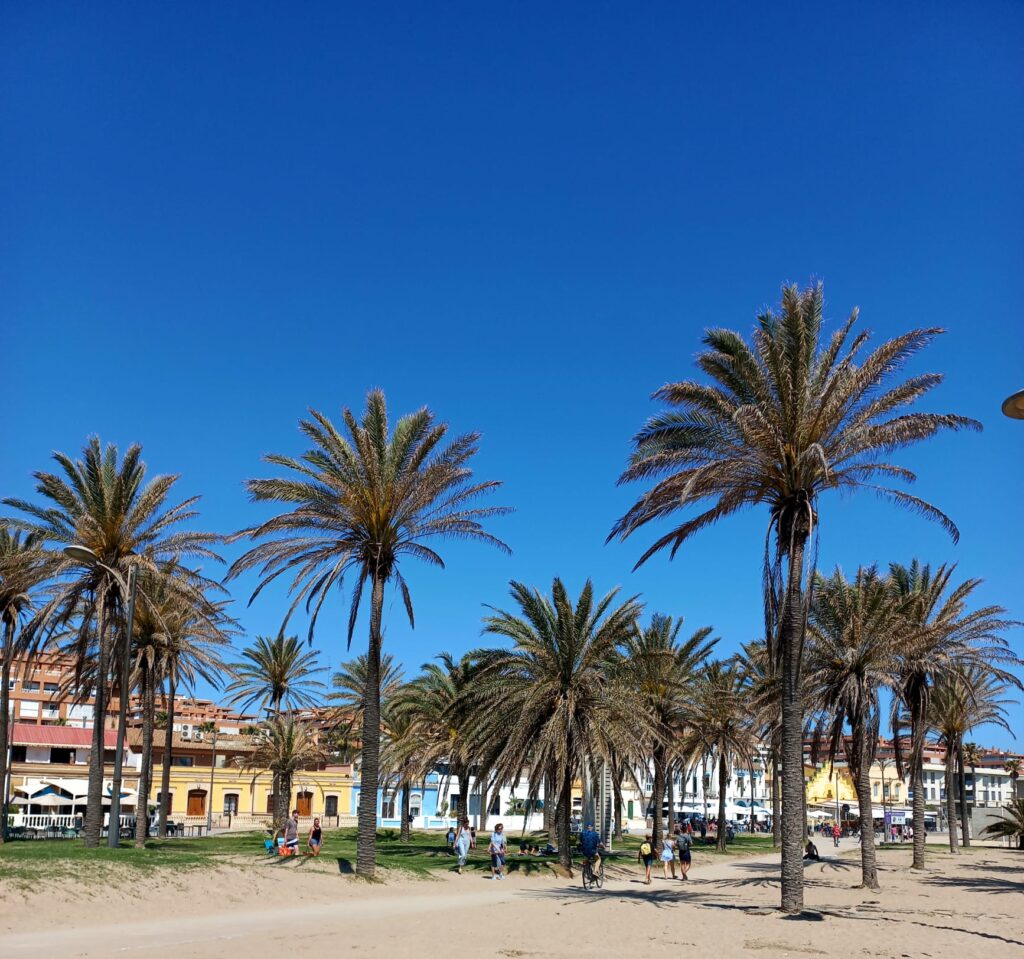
(206, 775)
(828, 784)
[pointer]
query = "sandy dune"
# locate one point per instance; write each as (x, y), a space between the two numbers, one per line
(970, 907)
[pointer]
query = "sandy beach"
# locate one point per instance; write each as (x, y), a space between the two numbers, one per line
(970, 906)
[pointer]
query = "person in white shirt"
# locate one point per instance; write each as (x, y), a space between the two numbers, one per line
(497, 849)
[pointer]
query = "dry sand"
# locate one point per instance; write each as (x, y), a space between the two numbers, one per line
(970, 906)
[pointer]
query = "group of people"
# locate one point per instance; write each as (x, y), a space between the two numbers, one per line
(680, 842)
(461, 841)
(286, 840)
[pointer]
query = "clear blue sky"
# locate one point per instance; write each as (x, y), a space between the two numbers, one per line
(216, 215)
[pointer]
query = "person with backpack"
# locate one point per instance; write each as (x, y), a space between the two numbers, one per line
(684, 844)
(646, 858)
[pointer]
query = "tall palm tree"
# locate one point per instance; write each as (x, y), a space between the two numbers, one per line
(721, 724)
(855, 629)
(276, 674)
(163, 625)
(662, 669)
(357, 505)
(942, 634)
(438, 706)
(967, 756)
(764, 695)
(189, 649)
(349, 684)
(105, 503)
(1013, 767)
(785, 419)
(21, 570)
(285, 745)
(552, 701)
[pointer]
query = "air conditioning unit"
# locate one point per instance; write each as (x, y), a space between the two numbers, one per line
(186, 733)
(197, 736)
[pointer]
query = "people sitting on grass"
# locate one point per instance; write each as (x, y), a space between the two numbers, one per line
(811, 852)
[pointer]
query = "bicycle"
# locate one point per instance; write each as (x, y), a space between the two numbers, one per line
(592, 879)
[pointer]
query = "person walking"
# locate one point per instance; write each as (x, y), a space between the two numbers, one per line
(463, 843)
(450, 839)
(668, 856)
(836, 833)
(315, 839)
(645, 856)
(684, 843)
(498, 848)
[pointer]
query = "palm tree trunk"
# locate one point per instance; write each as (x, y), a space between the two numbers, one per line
(951, 798)
(868, 862)
(657, 794)
(281, 797)
(366, 851)
(93, 824)
(462, 777)
(406, 830)
(670, 793)
(917, 734)
(965, 832)
(791, 639)
(776, 801)
(146, 773)
(723, 782)
(617, 805)
(750, 771)
(481, 785)
(550, 810)
(165, 762)
(5, 716)
(564, 813)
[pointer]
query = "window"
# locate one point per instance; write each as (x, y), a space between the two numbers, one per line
(874, 790)
(331, 806)
(64, 756)
(17, 754)
(270, 802)
(51, 688)
(416, 804)
(387, 807)
(454, 803)
(11, 683)
(30, 686)
(182, 760)
(230, 804)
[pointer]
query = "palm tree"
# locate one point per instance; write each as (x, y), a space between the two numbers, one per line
(764, 696)
(785, 419)
(947, 715)
(157, 637)
(721, 724)
(1010, 826)
(941, 634)
(358, 505)
(438, 707)
(275, 675)
(552, 704)
(349, 695)
(855, 629)
(661, 670)
(967, 755)
(21, 570)
(188, 650)
(1013, 767)
(105, 504)
(284, 745)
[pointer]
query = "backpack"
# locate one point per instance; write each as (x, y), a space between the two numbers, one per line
(645, 849)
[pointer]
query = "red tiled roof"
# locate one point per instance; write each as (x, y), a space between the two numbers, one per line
(25, 734)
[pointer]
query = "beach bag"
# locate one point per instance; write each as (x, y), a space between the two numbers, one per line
(645, 849)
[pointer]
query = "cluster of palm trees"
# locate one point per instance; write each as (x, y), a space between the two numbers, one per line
(778, 421)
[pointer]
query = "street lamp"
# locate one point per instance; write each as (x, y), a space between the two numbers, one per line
(1013, 406)
(85, 556)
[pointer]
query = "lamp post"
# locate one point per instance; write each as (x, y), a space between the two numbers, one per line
(85, 556)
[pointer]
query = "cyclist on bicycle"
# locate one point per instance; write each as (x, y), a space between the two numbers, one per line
(591, 846)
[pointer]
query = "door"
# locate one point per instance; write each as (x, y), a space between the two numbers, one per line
(304, 804)
(629, 809)
(231, 804)
(197, 802)
(332, 806)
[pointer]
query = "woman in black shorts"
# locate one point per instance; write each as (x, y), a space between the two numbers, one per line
(316, 838)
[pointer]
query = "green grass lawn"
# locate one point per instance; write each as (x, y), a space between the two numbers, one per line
(27, 861)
